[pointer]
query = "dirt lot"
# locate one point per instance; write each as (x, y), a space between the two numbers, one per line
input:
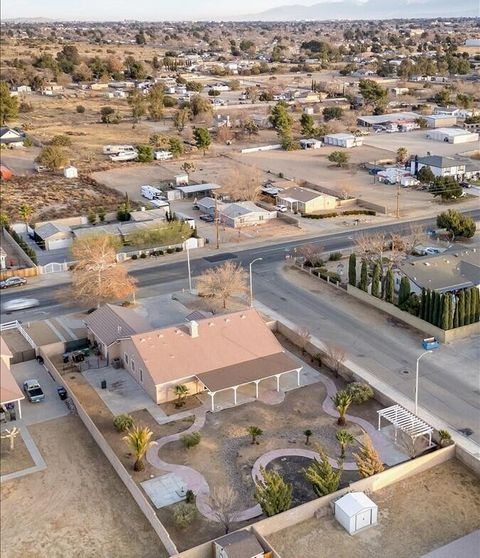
(415, 516)
(76, 507)
(16, 460)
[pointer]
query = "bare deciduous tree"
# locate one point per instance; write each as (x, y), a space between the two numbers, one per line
(311, 253)
(345, 191)
(244, 183)
(97, 277)
(224, 134)
(222, 282)
(336, 355)
(370, 247)
(222, 503)
(304, 337)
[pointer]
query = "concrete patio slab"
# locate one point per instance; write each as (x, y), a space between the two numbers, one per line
(165, 490)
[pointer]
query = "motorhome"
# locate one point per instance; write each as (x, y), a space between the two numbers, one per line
(163, 155)
(116, 149)
(150, 192)
(124, 156)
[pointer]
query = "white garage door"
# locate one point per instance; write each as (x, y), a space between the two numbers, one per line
(363, 519)
(60, 243)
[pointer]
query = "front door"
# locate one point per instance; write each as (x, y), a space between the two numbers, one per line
(363, 519)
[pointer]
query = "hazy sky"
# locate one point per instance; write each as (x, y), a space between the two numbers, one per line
(153, 10)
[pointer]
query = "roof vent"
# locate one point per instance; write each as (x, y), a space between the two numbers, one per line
(427, 264)
(193, 328)
(211, 324)
(227, 320)
(142, 339)
(178, 332)
(242, 316)
(160, 336)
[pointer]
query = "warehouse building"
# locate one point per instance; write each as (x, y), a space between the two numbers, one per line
(452, 135)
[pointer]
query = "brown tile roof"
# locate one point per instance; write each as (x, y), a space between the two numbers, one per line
(171, 354)
(246, 372)
(110, 323)
(9, 389)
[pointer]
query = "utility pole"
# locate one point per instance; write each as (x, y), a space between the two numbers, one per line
(398, 200)
(216, 220)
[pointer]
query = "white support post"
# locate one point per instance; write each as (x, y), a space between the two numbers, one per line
(278, 381)
(212, 395)
(19, 407)
(256, 388)
(298, 376)
(235, 394)
(379, 421)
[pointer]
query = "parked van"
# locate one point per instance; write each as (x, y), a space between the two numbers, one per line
(150, 192)
(116, 149)
(163, 155)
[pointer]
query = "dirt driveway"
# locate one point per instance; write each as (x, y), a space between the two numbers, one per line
(77, 507)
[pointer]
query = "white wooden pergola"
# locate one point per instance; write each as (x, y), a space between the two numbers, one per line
(407, 422)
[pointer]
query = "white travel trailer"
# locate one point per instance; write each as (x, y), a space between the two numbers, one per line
(124, 156)
(163, 155)
(116, 149)
(150, 192)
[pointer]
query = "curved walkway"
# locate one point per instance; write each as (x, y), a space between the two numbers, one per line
(199, 485)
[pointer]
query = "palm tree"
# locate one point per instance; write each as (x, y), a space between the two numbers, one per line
(254, 432)
(181, 391)
(344, 439)
(307, 433)
(25, 211)
(342, 401)
(139, 441)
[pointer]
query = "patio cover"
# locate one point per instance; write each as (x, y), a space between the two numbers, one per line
(194, 188)
(247, 372)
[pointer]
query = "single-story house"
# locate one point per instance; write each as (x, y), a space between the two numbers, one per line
(384, 119)
(453, 111)
(342, 140)
(311, 143)
(53, 236)
(239, 544)
(244, 214)
(440, 120)
(439, 165)
(452, 135)
(453, 270)
(11, 137)
(10, 392)
(207, 205)
(210, 355)
(194, 189)
(304, 200)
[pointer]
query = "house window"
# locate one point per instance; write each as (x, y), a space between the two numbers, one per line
(125, 358)
(132, 364)
(141, 375)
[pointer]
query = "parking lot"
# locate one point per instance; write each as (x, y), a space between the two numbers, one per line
(52, 407)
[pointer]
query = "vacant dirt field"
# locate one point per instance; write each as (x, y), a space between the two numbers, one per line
(76, 507)
(53, 196)
(415, 516)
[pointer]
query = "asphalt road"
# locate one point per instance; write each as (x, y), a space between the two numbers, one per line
(449, 385)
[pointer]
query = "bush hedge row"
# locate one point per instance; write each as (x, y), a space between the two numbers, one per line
(23, 245)
(336, 214)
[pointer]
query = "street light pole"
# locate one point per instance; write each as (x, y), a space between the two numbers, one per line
(189, 272)
(416, 379)
(251, 282)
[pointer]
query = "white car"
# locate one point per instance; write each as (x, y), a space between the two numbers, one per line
(20, 304)
(281, 208)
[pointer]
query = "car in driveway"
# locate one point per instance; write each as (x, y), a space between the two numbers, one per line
(33, 391)
(19, 304)
(207, 218)
(12, 282)
(281, 208)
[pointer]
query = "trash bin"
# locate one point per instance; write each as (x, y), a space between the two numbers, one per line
(104, 384)
(40, 359)
(65, 358)
(62, 393)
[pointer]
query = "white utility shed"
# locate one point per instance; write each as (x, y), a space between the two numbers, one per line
(70, 172)
(355, 511)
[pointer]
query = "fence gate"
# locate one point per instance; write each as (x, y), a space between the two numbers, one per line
(54, 267)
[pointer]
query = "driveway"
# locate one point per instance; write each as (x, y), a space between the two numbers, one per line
(45, 257)
(52, 407)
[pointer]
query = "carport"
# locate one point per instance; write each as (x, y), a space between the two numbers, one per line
(249, 372)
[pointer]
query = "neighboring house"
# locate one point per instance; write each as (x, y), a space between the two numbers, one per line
(383, 119)
(194, 189)
(440, 166)
(10, 392)
(244, 214)
(454, 270)
(53, 236)
(343, 140)
(453, 111)
(207, 205)
(109, 324)
(240, 544)
(11, 137)
(213, 354)
(305, 201)
(310, 143)
(3, 259)
(440, 120)
(452, 135)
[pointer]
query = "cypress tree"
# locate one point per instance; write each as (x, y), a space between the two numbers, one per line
(438, 321)
(445, 319)
(352, 269)
(434, 309)
(475, 304)
(389, 286)
(455, 313)
(461, 309)
(404, 291)
(423, 300)
(468, 306)
(376, 280)
(428, 305)
(363, 284)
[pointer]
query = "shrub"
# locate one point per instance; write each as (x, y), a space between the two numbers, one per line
(160, 253)
(190, 497)
(80, 109)
(123, 422)
(320, 216)
(445, 438)
(359, 212)
(191, 440)
(359, 392)
(184, 514)
(145, 153)
(170, 250)
(134, 257)
(143, 255)
(27, 142)
(178, 249)
(61, 141)
(335, 256)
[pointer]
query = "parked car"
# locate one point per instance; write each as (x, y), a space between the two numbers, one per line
(20, 304)
(281, 208)
(465, 185)
(207, 218)
(429, 251)
(12, 282)
(33, 391)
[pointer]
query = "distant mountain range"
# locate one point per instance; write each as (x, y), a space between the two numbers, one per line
(370, 9)
(28, 20)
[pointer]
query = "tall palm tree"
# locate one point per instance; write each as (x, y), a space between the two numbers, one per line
(344, 439)
(342, 402)
(25, 211)
(254, 432)
(139, 441)
(181, 391)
